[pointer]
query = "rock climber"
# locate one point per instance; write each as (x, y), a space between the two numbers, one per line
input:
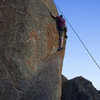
(61, 28)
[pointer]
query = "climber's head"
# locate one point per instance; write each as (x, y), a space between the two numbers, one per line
(61, 16)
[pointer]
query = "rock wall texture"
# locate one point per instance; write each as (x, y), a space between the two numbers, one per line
(79, 89)
(30, 67)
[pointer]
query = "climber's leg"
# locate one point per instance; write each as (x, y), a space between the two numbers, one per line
(60, 44)
(65, 32)
(60, 40)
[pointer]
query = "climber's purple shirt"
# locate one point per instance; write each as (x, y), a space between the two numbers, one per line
(60, 21)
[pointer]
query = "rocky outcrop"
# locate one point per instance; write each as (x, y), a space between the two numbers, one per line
(30, 67)
(64, 79)
(79, 89)
(99, 91)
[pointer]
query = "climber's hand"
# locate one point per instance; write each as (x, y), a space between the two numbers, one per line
(50, 13)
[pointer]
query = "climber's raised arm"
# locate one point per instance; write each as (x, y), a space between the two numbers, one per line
(52, 15)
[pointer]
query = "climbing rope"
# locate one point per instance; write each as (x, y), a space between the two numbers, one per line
(78, 37)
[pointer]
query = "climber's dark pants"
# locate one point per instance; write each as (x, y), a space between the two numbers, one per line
(62, 34)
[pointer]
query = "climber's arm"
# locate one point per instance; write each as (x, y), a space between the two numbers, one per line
(52, 15)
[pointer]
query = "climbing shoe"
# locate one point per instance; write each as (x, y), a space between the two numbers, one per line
(60, 48)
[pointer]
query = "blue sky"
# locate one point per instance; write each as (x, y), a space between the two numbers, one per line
(84, 16)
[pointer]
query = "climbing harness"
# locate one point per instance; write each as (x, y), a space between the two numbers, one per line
(78, 37)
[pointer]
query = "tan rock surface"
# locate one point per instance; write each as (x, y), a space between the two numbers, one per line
(30, 67)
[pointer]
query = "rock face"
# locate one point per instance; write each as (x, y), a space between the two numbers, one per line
(30, 67)
(79, 89)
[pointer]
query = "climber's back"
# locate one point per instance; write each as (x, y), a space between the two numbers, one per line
(60, 21)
